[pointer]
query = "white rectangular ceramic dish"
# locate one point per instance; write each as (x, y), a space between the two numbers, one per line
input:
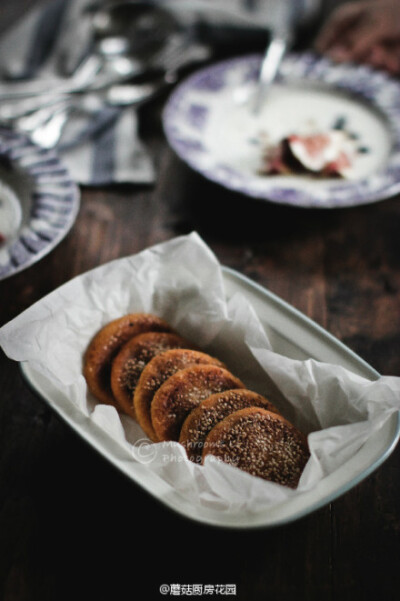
(292, 334)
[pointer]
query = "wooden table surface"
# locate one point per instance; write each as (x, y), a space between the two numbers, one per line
(339, 267)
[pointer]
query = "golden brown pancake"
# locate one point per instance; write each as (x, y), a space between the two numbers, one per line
(261, 443)
(156, 373)
(182, 392)
(106, 344)
(201, 420)
(131, 360)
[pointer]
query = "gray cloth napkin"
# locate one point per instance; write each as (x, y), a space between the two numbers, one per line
(57, 34)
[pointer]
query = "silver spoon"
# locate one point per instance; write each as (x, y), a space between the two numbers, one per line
(107, 64)
(48, 131)
(270, 64)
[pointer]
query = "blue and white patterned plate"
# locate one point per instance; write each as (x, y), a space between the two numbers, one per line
(38, 202)
(209, 122)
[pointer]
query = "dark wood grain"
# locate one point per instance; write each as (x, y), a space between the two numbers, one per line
(71, 527)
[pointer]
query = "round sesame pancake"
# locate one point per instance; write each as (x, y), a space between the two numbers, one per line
(106, 344)
(212, 410)
(182, 392)
(261, 443)
(131, 360)
(156, 373)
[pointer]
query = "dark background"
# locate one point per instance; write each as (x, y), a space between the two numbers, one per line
(71, 527)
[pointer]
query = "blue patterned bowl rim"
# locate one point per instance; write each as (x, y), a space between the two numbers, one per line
(377, 89)
(54, 201)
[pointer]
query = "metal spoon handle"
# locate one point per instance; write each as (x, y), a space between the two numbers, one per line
(84, 77)
(269, 68)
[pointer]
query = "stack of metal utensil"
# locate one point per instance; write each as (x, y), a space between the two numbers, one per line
(135, 52)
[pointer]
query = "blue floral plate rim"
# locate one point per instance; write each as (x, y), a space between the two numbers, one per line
(372, 87)
(50, 200)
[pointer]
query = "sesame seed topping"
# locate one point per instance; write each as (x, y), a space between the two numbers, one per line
(260, 443)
